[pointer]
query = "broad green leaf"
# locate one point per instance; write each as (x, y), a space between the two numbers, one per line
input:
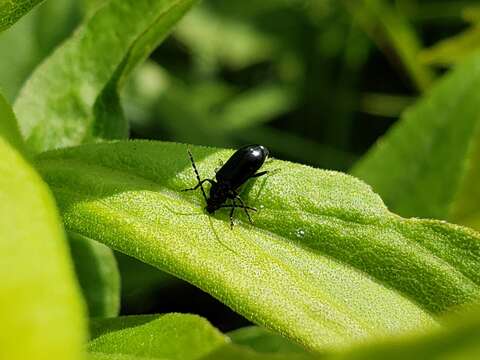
(72, 97)
(171, 336)
(12, 10)
(459, 339)
(263, 341)
(97, 272)
(453, 50)
(427, 165)
(326, 263)
(40, 308)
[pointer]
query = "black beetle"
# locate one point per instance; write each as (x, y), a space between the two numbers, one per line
(239, 168)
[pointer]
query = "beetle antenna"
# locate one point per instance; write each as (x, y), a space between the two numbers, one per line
(197, 174)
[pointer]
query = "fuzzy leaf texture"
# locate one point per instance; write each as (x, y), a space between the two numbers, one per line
(428, 164)
(12, 10)
(326, 263)
(126, 338)
(72, 97)
(459, 339)
(171, 337)
(40, 307)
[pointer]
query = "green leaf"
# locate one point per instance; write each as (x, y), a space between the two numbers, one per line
(98, 275)
(72, 97)
(326, 263)
(8, 126)
(459, 339)
(427, 165)
(453, 50)
(263, 340)
(232, 352)
(40, 308)
(12, 10)
(102, 356)
(171, 336)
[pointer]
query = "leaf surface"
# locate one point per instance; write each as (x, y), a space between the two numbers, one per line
(458, 339)
(263, 340)
(325, 264)
(171, 336)
(72, 97)
(40, 307)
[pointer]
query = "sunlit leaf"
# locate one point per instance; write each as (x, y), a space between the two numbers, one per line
(459, 339)
(171, 336)
(264, 341)
(40, 307)
(326, 263)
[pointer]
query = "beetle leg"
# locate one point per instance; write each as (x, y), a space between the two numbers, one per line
(200, 182)
(231, 213)
(245, 208)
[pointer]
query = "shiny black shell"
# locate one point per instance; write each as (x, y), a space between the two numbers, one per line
(242, 165)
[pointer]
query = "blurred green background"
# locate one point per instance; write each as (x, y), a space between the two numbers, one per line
(316, 81)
